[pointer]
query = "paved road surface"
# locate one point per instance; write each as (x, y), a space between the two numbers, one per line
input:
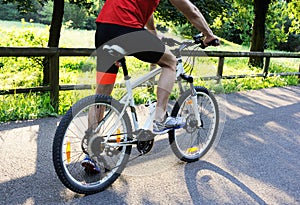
(257, 161)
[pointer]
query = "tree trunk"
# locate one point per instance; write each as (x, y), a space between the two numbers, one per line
(258, 33)
(54, 36)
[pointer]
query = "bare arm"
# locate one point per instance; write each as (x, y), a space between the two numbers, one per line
(192, 13)
(150, 25)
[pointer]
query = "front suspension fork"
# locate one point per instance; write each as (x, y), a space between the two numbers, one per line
(195, 104)
(190, 79)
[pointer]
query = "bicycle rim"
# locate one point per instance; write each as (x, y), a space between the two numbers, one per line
(73, 142)
(191, 142)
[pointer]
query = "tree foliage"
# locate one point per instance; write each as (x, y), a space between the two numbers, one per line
(25, 6)
(235, 22)
(210, 9)
(282, 24)
(232, 19)
(294, 15)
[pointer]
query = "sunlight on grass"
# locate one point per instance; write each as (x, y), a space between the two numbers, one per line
(25, 72)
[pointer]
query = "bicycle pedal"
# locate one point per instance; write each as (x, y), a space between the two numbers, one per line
(162, 132)
(144, 135)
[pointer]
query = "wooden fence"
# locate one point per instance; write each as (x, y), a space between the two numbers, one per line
(55, 53)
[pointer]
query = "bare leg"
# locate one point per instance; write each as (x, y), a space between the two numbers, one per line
(96, 113)
(104, 89)
(165, 83)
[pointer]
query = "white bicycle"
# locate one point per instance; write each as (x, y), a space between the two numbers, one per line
(110, 142)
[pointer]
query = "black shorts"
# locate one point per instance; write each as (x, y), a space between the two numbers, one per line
(137, 42)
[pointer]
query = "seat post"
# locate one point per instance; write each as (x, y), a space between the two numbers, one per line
(124, 67)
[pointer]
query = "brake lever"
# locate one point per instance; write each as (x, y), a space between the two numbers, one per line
(198, 38)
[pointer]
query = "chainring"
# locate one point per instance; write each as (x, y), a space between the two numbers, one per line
(145, 141)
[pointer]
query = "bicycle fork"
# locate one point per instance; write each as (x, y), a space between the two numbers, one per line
(180, 75)
(193, 96)
(195, 105)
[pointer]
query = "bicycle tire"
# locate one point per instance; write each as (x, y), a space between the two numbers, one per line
(71, 132)
(190, 143)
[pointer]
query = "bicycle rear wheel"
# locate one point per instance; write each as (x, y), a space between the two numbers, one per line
(192, 142)
(75, 139)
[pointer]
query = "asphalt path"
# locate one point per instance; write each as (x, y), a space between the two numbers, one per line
(256, 161)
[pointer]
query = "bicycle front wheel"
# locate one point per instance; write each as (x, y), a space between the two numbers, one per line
(192, 142)
(76, 138)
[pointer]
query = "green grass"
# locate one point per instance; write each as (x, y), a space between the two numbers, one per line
(27, 72)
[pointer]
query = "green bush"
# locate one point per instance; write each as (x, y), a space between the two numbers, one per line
(25, 106)
(77, 17)
(22, 71)
(10, 12)
(27, 72)
(282, 24)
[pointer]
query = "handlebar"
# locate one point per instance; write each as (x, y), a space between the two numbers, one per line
(198, 39)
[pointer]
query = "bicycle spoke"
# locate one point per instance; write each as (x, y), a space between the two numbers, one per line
(191, 142)
(74, 141)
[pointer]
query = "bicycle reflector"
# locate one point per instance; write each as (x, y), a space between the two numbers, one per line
(189, 102)
(192, 150)
(118, 136)
(68, 152)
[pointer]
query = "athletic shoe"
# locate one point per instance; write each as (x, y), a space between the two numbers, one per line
(90, 166)
(168, 124)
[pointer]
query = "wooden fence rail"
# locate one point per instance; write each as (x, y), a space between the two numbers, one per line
(55, 53)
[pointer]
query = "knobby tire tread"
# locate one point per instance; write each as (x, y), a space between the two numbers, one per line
(59, 137)
(176, 108)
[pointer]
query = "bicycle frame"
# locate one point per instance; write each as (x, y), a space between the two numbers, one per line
(128, 99)
(88, 160)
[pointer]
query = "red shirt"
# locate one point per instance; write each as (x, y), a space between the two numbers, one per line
(131, 13)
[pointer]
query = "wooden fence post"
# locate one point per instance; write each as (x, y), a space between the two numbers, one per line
(299, 74)
(54, 80)
(266, 67)
(46, 70)
(220, 68)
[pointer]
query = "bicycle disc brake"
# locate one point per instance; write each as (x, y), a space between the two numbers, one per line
(191, 123)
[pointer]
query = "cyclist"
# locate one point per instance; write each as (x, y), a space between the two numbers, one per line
(120, 31)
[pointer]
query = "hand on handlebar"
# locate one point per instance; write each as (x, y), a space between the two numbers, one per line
(211, 41)
(198, 40)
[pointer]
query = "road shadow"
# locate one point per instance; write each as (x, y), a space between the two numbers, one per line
(266, 140)
(199, 177)
(260, 145)
(38, 184)
(260, 141)
(28, 175)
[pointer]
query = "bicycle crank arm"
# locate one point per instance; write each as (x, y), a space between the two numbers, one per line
(118, 144)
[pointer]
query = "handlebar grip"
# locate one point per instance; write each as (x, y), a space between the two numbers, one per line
(215, 42)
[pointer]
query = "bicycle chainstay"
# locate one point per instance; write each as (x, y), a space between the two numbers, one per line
(144, 141)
